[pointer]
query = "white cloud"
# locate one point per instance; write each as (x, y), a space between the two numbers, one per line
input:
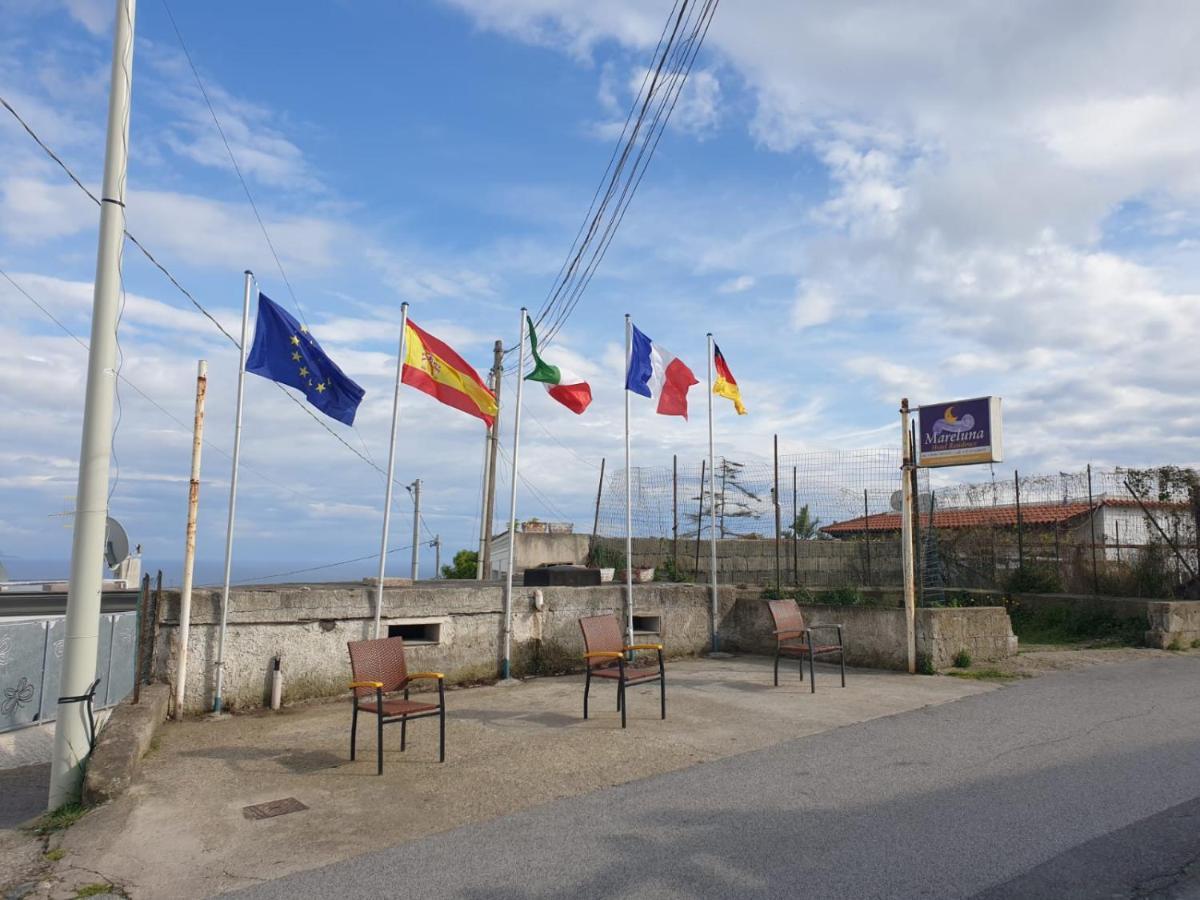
(737, 285)
(814, 305)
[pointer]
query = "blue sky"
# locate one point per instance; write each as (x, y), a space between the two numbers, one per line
(861, 201)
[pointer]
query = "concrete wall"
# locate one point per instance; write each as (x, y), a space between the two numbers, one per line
(876, 637)
(309, 625)
(536, 549)
(1168, 622)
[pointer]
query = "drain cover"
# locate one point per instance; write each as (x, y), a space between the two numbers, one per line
(273, 808)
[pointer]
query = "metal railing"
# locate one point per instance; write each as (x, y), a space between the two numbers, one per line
(31, 665)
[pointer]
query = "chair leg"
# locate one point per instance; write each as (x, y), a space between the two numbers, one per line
(353, 727)
(662, 689)
(442, 735)
(842, 659)
(777, 665)
(812, 662)
(403, 733)
(621, 700)
(379, 742)
(587, 687)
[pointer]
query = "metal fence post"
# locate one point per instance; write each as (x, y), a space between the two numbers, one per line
(795, 535)
(867, 531)
(778, 525)
(700, 516)
(1092, 528)
(675, 512)
(1020, 527)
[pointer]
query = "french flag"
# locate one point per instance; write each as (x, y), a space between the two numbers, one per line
(655, 373)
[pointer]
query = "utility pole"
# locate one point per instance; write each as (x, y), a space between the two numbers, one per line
(484, 537)
(437, 555)
(189, 545)
(490, 501)
(71, 731)
(415, 489)
(906, 538)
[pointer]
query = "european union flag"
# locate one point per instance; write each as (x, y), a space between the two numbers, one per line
(284, 351)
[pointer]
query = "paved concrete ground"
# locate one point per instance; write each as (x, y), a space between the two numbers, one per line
(180, 831)
(23, 793)
(1081, 784)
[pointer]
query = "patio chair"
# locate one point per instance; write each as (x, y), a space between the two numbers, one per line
(378, 668)
(794, 638)
(605, 650)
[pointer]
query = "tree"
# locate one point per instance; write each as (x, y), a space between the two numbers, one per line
(734, 499)
(805, 525)
(465, 562)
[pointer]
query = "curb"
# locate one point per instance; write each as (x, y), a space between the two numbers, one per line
(122, 743)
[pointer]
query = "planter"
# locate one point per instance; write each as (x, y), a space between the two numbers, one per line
(640, 576)
(607, 574)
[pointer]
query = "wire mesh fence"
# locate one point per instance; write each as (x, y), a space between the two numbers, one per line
(832, 519)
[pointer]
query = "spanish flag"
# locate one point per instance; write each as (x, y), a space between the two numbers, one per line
(726, 385)
(433, 367)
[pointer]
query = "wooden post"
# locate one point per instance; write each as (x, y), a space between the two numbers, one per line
(599, 493)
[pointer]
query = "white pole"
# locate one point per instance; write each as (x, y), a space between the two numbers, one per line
(712, 510)
(189, 545)
(910, 594)
(484, 537)
(233, 480)
(391, 468)
(416, 539)
(91, 500)
(628, 484)
(506, 663)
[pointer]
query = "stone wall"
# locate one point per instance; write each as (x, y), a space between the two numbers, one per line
(752, 560)
(1168, 622)
(539, 549)
(456, 628)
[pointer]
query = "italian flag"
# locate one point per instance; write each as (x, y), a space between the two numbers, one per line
(572, 392)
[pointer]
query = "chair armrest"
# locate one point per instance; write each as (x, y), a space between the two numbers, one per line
(366, 684)
(644, 647)
(604, 654)
(413, 676)
(815, 627)
(787, 632)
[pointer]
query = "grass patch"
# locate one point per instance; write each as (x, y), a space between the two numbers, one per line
(985, 675)
(54, 855)
(962, 660)
(97, 888)
(925, 664)
(59, 819)
(1060, 625)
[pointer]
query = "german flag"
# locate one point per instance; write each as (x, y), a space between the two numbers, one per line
(726, 385)
(433, 367)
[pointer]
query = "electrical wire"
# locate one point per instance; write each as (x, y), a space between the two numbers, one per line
(233, 159)
(554, 510)
(345, 562)
(674, 59)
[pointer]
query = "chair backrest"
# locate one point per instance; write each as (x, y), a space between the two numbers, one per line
(381, 659)
(789, 621)
(601, 633)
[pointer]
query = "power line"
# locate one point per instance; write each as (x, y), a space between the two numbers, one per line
(558, 513)
(233, 159)
(332, 565)
(184, 426)
(661, 87)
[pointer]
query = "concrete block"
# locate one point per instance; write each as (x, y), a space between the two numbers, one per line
(122, 743)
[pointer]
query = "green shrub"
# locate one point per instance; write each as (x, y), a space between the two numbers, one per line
(669, 571)
(602, 557)
(962, 660)
(1066, 625)
(1175, 645)
(464, 565)
(1196, 644)
(925, 664)
(1034, 579)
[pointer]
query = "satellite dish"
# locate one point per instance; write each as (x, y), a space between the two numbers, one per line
(924, 502)
(116, 543)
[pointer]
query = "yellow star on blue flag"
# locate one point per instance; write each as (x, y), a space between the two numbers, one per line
(285, 351)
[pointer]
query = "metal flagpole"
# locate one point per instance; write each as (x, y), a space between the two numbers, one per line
(628, 482)
(391, 468)
(906, 535)
(233, 480)
(80, 645)
(484, 537)
(712, 535)
(189, 543)
(505, 666)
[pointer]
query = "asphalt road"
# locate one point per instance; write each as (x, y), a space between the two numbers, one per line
(1075, 785)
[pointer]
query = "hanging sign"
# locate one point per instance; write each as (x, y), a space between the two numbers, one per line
(960, 433)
